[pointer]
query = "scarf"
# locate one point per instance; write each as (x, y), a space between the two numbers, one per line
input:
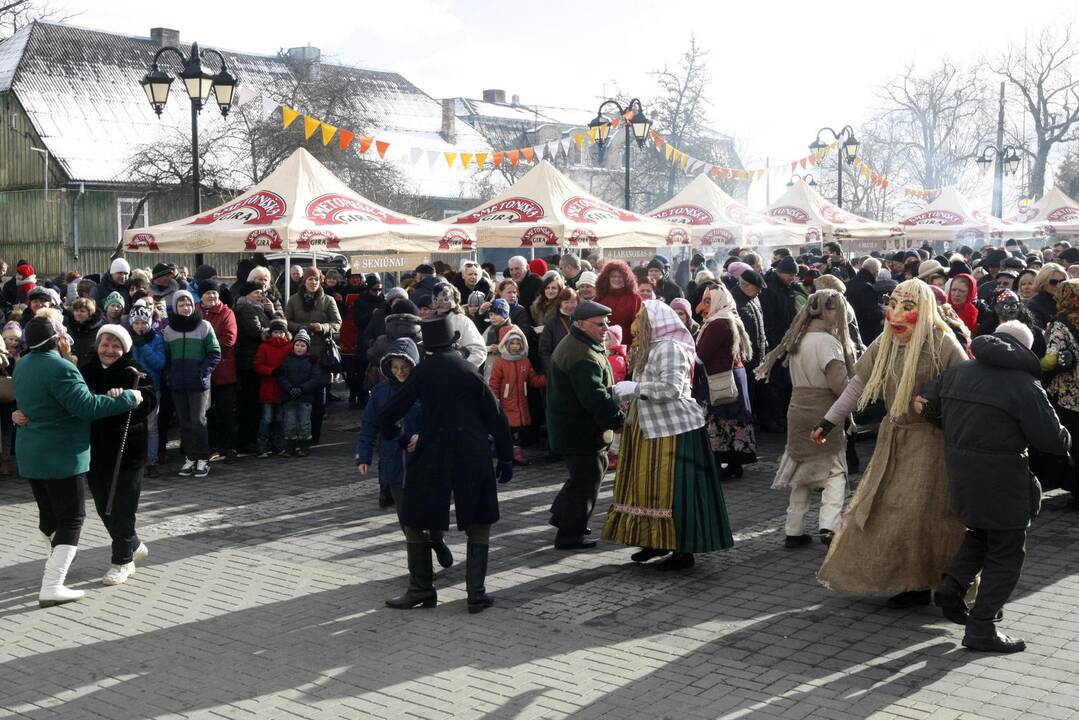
(666, 325)
(967, 311)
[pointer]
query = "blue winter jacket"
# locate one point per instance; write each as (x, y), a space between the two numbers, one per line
(150, 355)
(391, 451)
(300, 371)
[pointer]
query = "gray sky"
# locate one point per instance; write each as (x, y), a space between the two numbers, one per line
(781, 69)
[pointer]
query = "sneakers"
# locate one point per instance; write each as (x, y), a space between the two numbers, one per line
(141, 553)
(188, 468)
(202, 468)
(118, 574)
(263, 454)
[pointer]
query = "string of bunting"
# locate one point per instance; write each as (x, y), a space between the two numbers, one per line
(579, 139)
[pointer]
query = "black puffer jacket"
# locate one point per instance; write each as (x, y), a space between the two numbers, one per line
(1043, 307)
(991, 409)
(863, 298)
(749, 309)
(105, 434)
(398, 325)
(778, 306)
(84, 335)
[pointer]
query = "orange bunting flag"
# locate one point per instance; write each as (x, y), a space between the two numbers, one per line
(382, 147)
(365, 143)
(660, 142)
(450, 157)
(714, 171)
(527, 152)
(794, 166)
(327, 133)
(310, 125)
(466, 159)
(288, 115)
(579, 140)
(802, 162)
(514, 156)
(497, 158)
(481, 159)
(345, 138)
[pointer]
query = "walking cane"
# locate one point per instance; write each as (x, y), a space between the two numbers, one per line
(123, 443)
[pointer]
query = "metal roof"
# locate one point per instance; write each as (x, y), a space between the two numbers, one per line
(80, 89)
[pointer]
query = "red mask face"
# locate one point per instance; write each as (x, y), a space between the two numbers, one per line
(902, 314)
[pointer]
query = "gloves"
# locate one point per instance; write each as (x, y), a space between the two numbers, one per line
(624, 390)
(295, 393)
(505, 472)
(825, 427)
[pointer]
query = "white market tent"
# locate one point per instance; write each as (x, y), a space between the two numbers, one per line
(1054, 214)
(546, 209)
(715, 219)
(300, 207)
(950, 217)
(823, 221)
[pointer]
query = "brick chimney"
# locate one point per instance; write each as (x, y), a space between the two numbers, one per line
(494, 96)
(449, 120)
(164, 36)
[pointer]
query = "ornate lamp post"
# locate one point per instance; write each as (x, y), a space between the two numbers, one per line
(848, 147)
(1007, 162)
(638, 127)
(807, 179)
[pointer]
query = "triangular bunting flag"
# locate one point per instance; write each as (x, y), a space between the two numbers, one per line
(794, 166)
(450, 157)
(432, 158)
(670, 151)
(565, 143)
(580, 141)
(415, 154)
(514, 156)
(310, 125)
(538, 150)
(529, 155)
(481, 160)
(552, 149)
(466, 159)
(660, 142)
(685, 160)
(714, 171)
(345, 138)
(382, 147)
(288, 115)
(327, 133)
(497, 158)
(365, 143)
(802, 162)
(592, 135)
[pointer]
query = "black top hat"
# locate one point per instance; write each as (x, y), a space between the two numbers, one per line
(437, 333)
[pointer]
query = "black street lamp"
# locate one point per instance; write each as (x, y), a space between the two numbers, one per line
(638, 127)
(1007, 163)
(807, 179)
(848, 145)
(198, 83)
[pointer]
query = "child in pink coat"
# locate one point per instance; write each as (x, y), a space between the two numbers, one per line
(616, 352)
(511, 376)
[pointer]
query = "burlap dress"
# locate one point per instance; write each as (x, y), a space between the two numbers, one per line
(899, 532)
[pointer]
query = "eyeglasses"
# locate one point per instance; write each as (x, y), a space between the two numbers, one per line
(599, 323)
(1055, 281)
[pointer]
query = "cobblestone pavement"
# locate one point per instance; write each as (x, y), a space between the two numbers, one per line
(263, 598)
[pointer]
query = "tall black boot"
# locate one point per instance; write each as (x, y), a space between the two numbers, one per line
(475, 574)
(421, 577)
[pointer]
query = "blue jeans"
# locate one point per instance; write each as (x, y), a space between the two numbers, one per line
(270, 428)
(151, 438)
(297, 420)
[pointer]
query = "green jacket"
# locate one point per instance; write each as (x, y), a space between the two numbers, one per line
(581, 413)
(51, 392)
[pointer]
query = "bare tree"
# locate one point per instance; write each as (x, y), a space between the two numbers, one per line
(17, 14)
(1043, 74)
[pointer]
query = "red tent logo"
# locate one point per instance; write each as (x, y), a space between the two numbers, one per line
(678, 236)
(337, 209)
(839, 216)
(267, 238)
(536, 236)
(589, 210)
(934, 217)
(1064, 214)
(514, 210)
(456, 239)
(313, 238)
(142, 241)
(717, 236)
(790, 213)
(812, 235)
(685, 214)
(738, 214)
(583, 237)
(262, 208)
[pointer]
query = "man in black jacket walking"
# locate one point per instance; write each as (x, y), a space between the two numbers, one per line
(863, 298)
(991, 409)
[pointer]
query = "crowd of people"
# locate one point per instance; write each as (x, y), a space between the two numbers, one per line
(664, 373)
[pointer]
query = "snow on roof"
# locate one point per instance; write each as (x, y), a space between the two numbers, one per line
(80, 89)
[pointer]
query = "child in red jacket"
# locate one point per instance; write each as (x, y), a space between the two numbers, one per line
(511, 376)
(271, 353)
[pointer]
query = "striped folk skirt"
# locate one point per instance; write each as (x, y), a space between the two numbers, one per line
(667, 493)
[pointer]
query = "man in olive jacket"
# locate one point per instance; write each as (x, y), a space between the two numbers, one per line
(991, 409)
(581, 417)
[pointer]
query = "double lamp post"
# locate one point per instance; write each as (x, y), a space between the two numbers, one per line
(847, 145)
(638, 127)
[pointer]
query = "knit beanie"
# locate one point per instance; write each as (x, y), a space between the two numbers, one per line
(538, 266)
(41, 333)
(162, 270)
(587, 278)
(615, 331)
(396, 293)
(500, 307)
(11, 329)
(403, 306)
(279, 323)
(119, 265)
(787, 265)
(476, 298)
(113, 298)
(302, 336)
(25, 276)
(118, 332)
(205, 272)
(180, 295)
(141, 313)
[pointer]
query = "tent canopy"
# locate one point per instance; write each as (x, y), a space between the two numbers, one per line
(802, 205)
(545, 208)
(951, 217)
(715, 219)
(1055, 213)
(300, 207)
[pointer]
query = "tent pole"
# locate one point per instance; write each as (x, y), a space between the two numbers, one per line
(288, 275)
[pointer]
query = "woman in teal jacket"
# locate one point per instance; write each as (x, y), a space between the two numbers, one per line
(54, 449)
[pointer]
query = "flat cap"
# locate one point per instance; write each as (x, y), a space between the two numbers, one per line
(589, 309)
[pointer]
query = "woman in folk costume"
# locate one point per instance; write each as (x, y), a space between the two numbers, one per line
(723, 345)
(667, 496)
(820, 354)
(899, 532)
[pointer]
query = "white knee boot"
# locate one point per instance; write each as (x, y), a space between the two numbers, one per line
(53, 591)
(48, 543)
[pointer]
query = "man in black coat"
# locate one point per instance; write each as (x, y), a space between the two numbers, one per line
(991, 409)
(863, 298)
(666, 289)
(529, 284)
(780, 301)
(449, 457)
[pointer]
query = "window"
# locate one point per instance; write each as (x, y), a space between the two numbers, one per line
(125, 210)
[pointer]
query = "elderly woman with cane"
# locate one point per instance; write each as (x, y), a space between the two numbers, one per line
(54, 448)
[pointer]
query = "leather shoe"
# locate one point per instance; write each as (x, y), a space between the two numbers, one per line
(951, 603)
(826, 537)
(794, 541)
(997, 642)
(580, 545)
(909, 599)
(677, 561)
(646, 554)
